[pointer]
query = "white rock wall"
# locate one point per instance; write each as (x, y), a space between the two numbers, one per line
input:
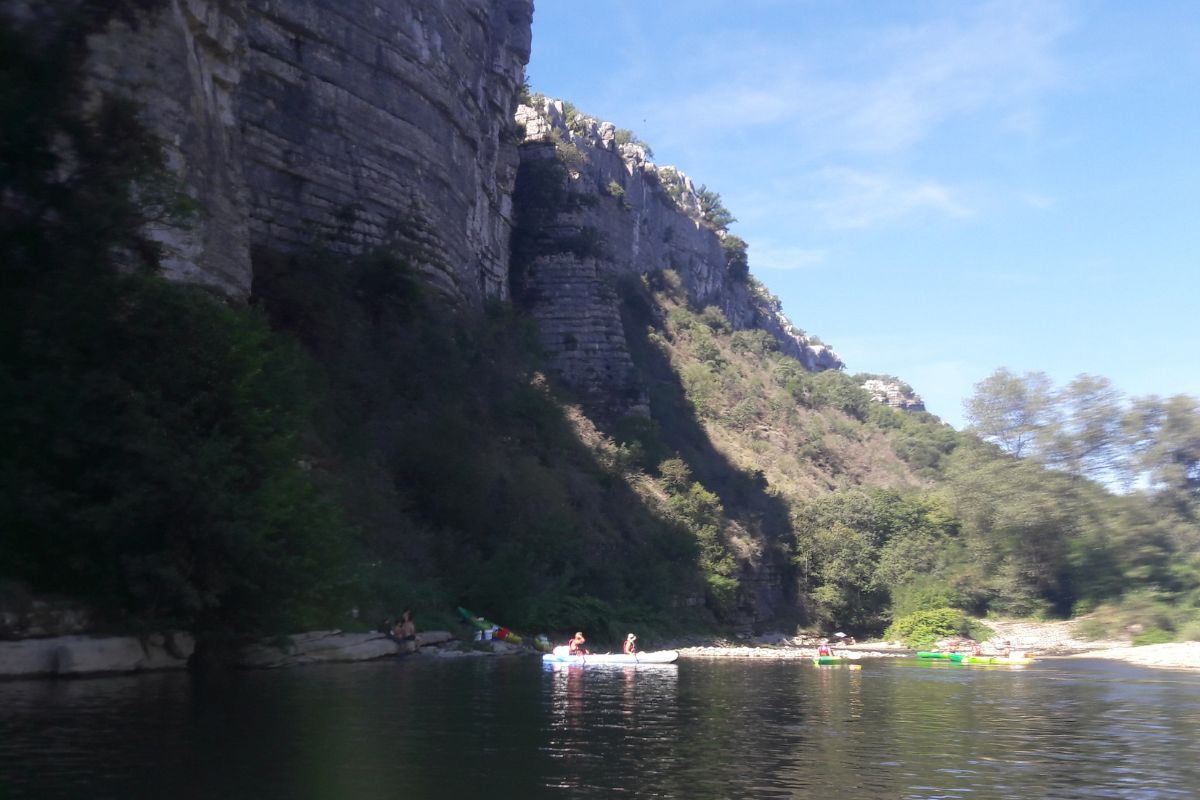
(641, 230)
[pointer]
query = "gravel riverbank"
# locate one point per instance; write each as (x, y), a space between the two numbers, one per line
(1056, 639)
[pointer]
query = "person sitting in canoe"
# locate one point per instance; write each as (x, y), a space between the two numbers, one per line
(575, 646)
(824, 649)
(630, 645)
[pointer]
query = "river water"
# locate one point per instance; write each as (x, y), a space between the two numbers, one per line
(511, 728)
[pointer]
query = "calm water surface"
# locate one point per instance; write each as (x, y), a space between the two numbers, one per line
(509, 728)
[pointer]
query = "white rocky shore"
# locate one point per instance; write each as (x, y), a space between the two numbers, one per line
(1056, 639)
(1172, 655)
(791, 651)
(80, 655)
(65, 656)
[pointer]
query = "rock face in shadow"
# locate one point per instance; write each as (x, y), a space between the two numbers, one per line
(317, 647)
(370, 122)
(615, 215)
(63, 656)
(349, 124)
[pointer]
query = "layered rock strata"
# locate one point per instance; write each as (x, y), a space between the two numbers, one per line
(386, 123)
(632, 217)
(349, 124)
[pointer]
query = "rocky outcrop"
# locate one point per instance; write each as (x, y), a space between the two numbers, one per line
(183, 66)
(64, 656)
(38, 618)
(892, 392)
(615, 214)
(317, 647)
(351, 124)
(433, 638)
(323, 647)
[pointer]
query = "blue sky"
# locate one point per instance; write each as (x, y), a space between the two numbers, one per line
(936, 189)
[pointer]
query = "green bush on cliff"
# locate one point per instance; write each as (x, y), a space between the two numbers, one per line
(712, 210)
(737, 261)
(626, 136)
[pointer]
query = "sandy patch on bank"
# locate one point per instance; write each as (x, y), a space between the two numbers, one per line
(1056, 639)
(1173, 655)
(1048, 638)
(1059, 639)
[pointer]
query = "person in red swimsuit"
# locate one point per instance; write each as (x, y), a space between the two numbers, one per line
(576, 645)
(630, 645)
(824, 649)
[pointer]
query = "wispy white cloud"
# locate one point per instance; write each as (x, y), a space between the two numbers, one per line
(771, 255)
(1039, 201)
(1020, 280)
(856, 199)
(901, 83)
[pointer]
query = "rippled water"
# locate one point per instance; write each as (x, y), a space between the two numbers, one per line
(510, 728)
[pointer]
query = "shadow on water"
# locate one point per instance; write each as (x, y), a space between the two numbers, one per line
(512, 728)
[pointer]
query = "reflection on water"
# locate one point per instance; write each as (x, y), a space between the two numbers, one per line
(606, 714)
(511, 728)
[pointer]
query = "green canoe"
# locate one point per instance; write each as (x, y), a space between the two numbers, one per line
(960, 658)
(487, 625)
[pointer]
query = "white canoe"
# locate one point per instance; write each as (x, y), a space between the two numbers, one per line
(657, 657)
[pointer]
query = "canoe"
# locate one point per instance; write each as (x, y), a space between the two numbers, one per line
(828, 659)
(657, 657)
(994, 660)
(960, 658)
(478, 622)
(487, 625)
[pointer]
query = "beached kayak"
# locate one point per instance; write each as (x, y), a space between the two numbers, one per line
(657, 657)
(487, 625)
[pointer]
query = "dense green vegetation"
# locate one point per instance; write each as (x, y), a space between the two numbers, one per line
(922, 629)
(470, 481)
(346, 440)
(151, 434)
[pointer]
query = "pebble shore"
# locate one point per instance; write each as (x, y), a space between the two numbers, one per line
(1054, 639)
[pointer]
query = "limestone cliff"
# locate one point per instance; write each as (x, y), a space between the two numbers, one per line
(621, 215)
(893, 392)
(345, 123)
